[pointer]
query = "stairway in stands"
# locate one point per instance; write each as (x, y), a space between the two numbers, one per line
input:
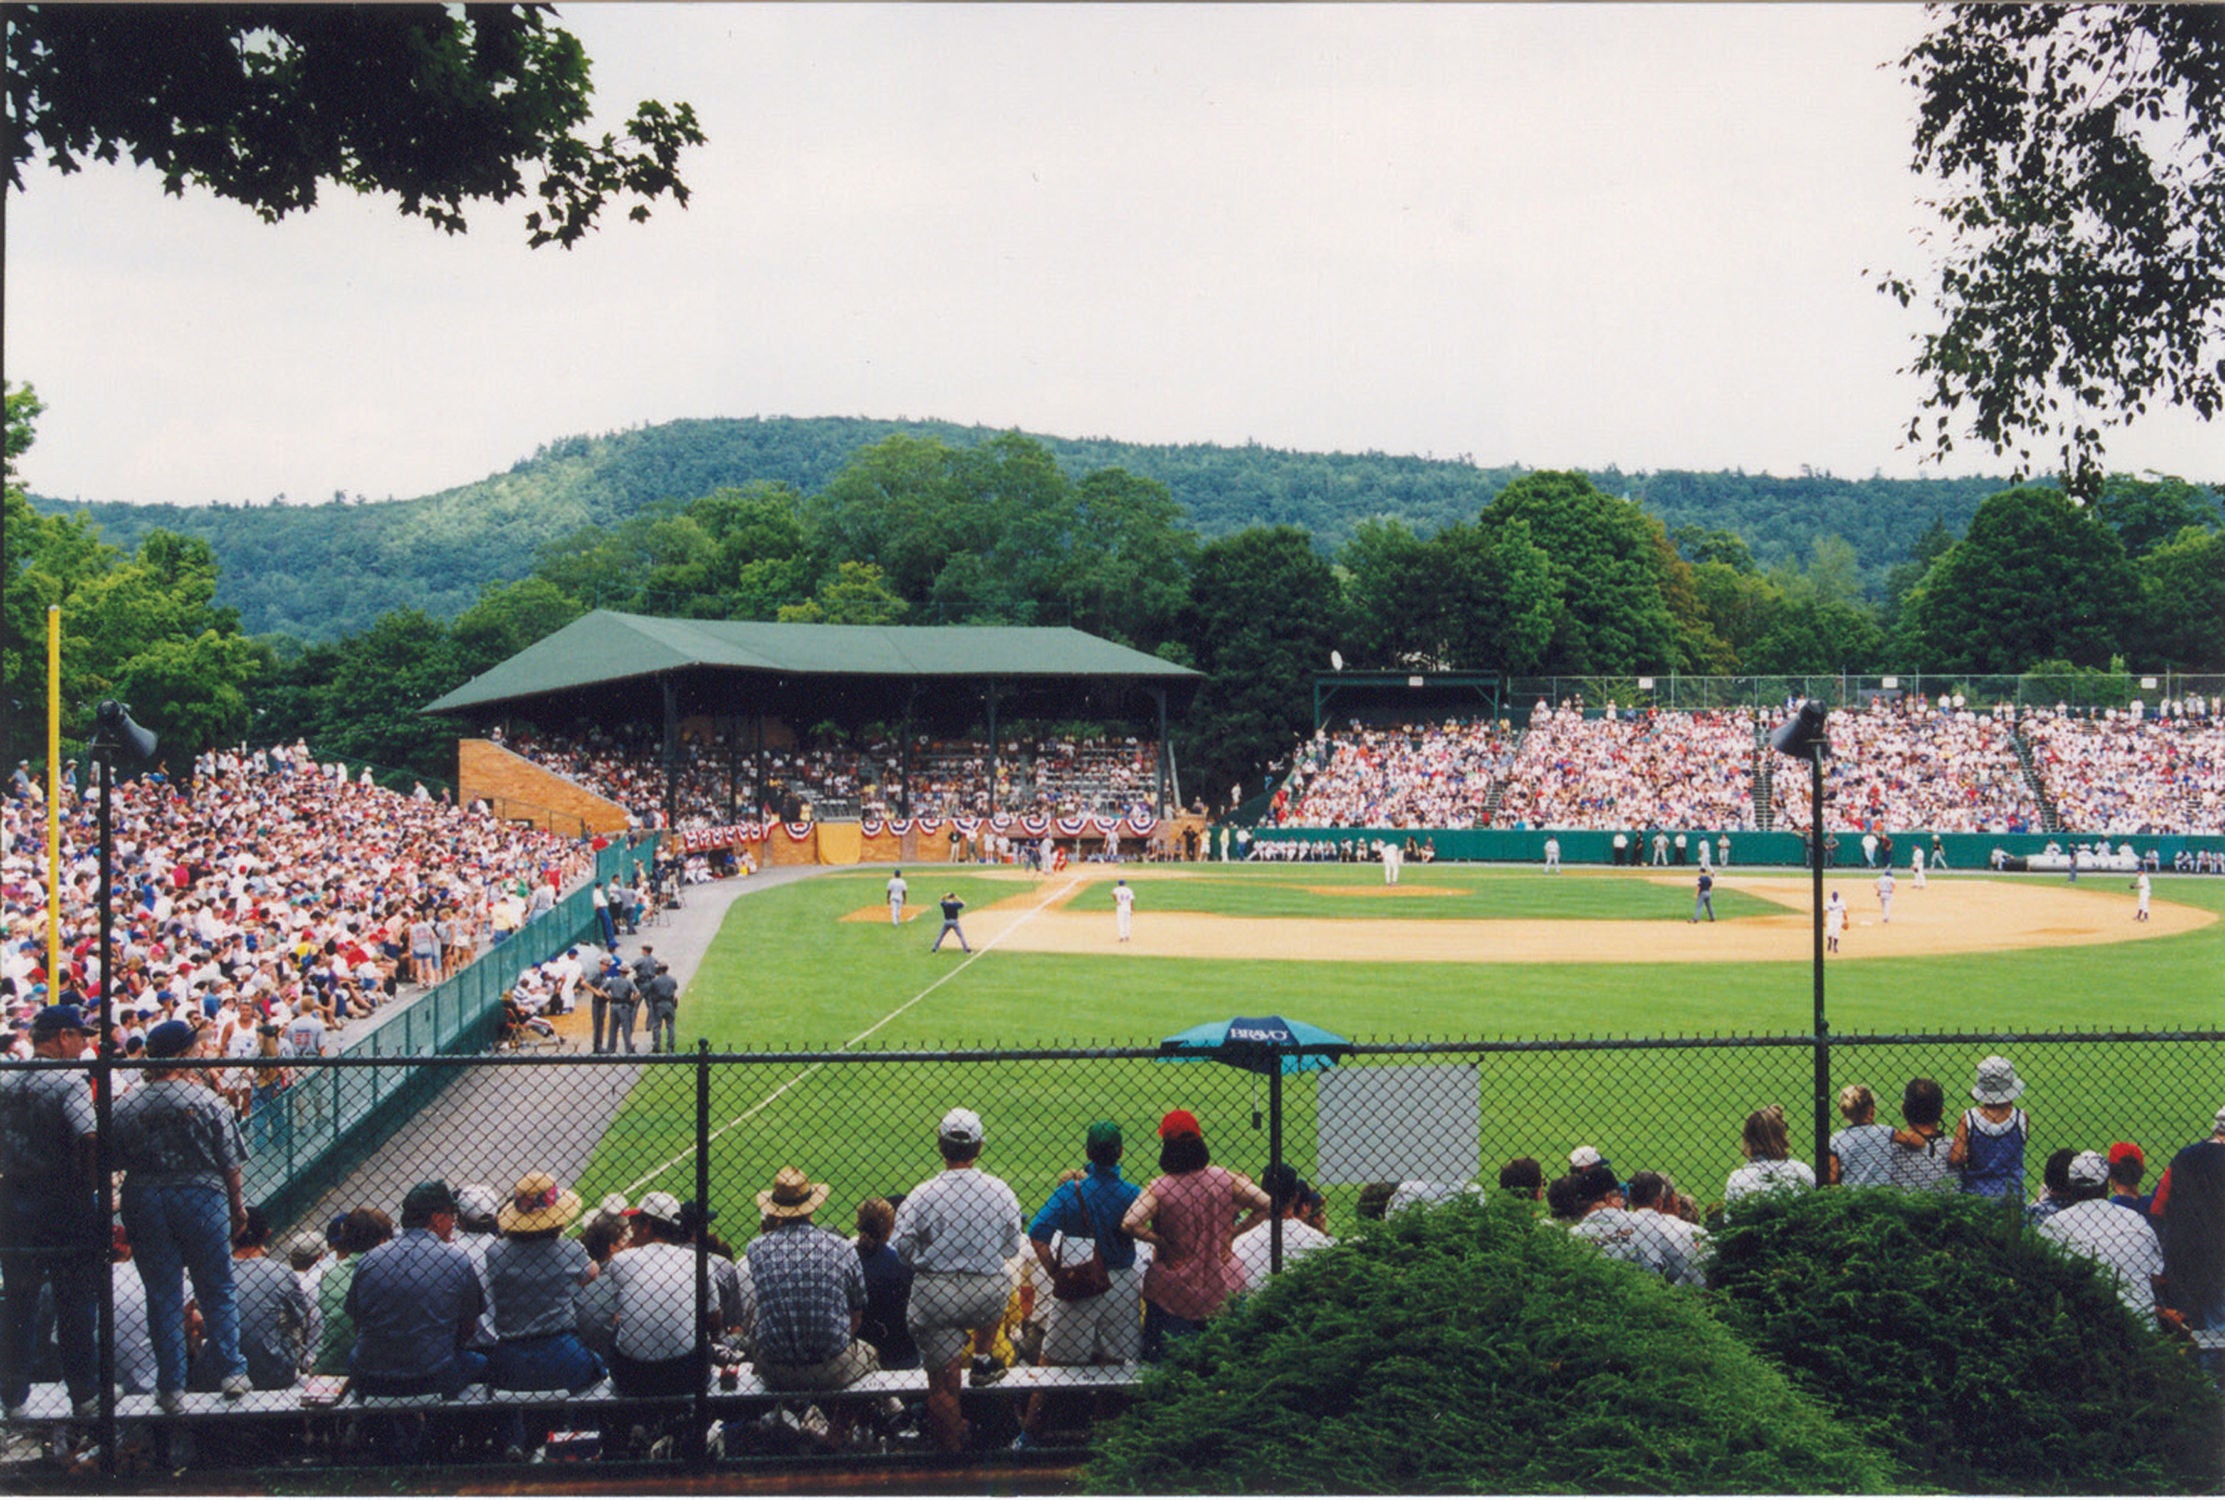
(1765, 808)
(2048, 818)
(1490, 818)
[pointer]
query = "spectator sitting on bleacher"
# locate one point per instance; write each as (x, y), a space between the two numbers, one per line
(351, 1236)
(658, 1350)
(273, 1314)
(810, 1298)
(1290, 1197)
(415, 1304)
(1667, 1219)
(2121, 1242)
(888, 1287)
(1769, 1164)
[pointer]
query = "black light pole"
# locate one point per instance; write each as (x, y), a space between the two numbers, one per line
(1802, 736)
(113, 733)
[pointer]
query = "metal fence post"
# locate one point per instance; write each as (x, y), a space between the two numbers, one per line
(699, 1445)
(1274, 1161)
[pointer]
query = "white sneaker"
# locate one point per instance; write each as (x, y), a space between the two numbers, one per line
(169, 1403)
(17, 1411)
(236, 1386)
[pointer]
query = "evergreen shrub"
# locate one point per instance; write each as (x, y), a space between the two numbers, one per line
(1463, 1348)
(1980, 1356)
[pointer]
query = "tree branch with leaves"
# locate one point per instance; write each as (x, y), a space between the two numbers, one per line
(2081, 273)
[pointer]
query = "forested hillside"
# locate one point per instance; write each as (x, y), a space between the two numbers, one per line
(319, 572)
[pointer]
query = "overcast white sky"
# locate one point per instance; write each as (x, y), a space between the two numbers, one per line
(1554, 235)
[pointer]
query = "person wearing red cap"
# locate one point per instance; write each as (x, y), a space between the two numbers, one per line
(1188, 1216)
(2127, 1165)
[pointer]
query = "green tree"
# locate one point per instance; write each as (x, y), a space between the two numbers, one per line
(1128, 568)
(192, 690)
(1607, 561)
(2082, 276)
(2182, 602)
(857, 594)
(369, 708)
(2146, 513)
(2035, 577)
(1816, 634)
(1264, 614)
(439, 106)
(508, 618)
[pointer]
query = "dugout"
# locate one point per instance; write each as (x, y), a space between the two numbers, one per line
(619, 669)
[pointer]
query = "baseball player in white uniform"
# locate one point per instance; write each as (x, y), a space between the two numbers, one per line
(1552, 855)
(1124, 909)
(1834, 922)
(897, 890)
(2140, 889)
(1885, 894)
(1916, 866)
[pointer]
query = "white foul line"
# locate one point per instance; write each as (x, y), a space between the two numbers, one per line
(658, 1171)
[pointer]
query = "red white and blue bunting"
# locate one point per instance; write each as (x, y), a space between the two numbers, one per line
(798, 832)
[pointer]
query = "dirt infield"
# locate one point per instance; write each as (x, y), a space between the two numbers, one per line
(1951, 915)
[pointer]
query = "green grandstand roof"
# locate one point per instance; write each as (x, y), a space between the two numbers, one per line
(607, 647)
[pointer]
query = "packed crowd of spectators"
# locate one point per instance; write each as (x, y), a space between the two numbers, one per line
(1907, 763)
(948, 778)
(1916, 764)
(1635, 768)
(2126, 771)
(523, 1288)
(1402, 776)
(267, 896)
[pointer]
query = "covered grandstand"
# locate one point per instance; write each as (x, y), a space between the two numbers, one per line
(738, 692)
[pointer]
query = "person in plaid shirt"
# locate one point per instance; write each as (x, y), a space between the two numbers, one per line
(810, 1294)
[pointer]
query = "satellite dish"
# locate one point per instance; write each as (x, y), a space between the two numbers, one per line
(1336, 660)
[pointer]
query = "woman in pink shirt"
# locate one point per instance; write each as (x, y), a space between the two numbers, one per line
(1188, 1216)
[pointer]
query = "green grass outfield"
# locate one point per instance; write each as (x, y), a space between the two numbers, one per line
(786, 973)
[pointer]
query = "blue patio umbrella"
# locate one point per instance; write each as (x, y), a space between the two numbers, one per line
(1247, 1042)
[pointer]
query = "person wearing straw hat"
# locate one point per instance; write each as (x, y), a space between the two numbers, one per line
(535, 1276)
(810, 1294)
(1989, 1140)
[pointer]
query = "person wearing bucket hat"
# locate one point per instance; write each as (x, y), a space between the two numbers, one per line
(1989, 1140)
(178, 1145)
(2093, 1227)
(50, 1214)
(809, 1289)
(534, 1274)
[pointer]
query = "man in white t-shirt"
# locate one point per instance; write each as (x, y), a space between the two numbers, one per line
(1124, 908)
(1254, 1248)
(2118, 1238)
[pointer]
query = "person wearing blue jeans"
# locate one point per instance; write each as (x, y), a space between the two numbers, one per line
(178, 1144)
(51, 1225)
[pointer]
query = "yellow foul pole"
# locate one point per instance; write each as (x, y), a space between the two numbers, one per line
(53, 803)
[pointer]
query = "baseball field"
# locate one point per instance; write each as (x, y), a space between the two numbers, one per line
(1485, 954)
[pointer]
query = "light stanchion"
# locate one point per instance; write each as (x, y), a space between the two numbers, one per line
(1802, 737)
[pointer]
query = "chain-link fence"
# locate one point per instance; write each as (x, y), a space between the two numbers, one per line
(620, 1254)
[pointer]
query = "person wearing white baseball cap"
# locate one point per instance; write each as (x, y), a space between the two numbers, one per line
(957, 1230)
(2120, 1241)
